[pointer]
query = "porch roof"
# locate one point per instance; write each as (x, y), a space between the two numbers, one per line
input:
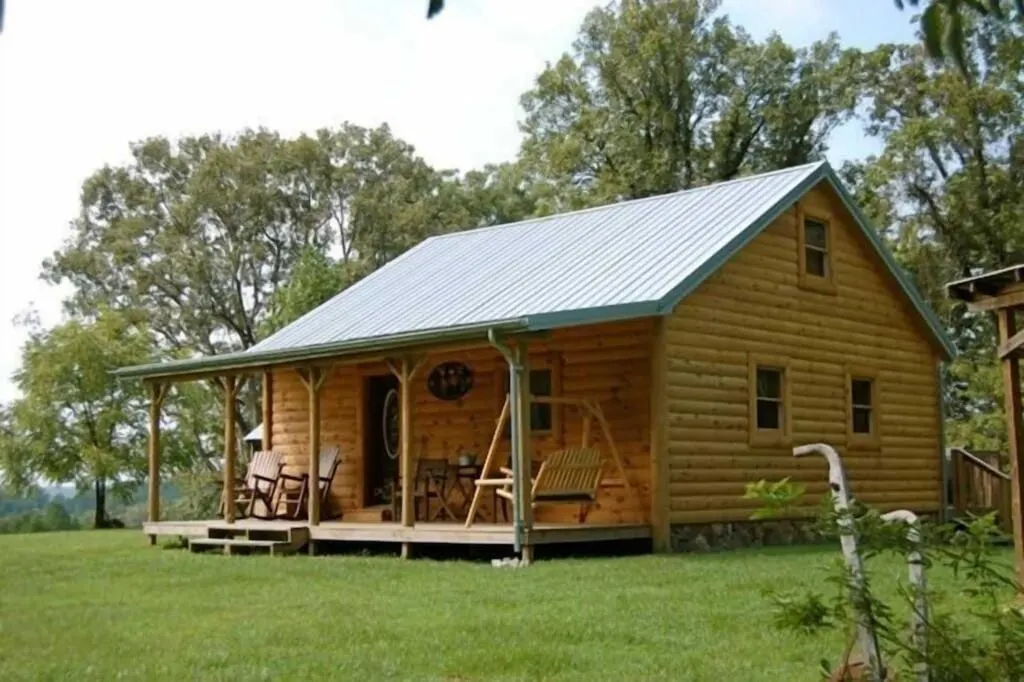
(626, 260)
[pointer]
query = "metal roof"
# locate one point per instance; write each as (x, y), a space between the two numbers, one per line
(631, 259)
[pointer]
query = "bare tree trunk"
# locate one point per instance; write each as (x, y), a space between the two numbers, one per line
(100, 518)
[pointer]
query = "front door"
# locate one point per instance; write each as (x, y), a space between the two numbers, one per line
(381, 441)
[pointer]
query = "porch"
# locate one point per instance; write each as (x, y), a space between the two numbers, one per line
(433, 533)
(529, 402)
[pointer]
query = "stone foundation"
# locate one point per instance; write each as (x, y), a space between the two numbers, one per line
(706, 537)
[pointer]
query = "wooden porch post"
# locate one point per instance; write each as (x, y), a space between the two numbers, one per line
(230, 384)
(313, 378)
(525, 450)
(268, 410)
(405, 373)
(1007, 323)
(157, 391)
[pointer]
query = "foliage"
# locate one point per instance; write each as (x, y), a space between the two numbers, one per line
(947, 190)
(942, 23)
(977, 636)
(776, 497)
(74, 422)
(662, 95)
(52, 517)
(195, 238)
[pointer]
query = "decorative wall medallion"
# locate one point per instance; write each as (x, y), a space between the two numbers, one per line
(450, 380)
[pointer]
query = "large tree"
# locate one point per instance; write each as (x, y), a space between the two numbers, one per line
(74, 422)
(660, 95)
(194, 237)
(948, 186)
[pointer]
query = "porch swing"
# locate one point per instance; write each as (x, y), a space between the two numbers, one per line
(568, 475)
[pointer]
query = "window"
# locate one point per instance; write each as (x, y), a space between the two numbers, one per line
(770, 416)
(816, 247)
(861, 404)
(541, 414)
(862, 423)
(769, 398)
(817, 267)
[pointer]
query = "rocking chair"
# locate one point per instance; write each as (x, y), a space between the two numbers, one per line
(294, 490)
(259, 485)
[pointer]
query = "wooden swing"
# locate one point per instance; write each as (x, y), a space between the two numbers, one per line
(567, 475)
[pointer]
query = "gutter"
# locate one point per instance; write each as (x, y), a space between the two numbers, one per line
(515, 365)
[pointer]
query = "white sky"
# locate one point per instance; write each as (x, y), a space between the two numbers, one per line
(80, 79)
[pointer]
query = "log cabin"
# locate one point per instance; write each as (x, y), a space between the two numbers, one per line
(691, 339)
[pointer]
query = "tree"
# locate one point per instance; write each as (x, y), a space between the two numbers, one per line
(948, 187)
(316, 278)
(942, 23)
(194, 237)
(74, 422)
(660, 95)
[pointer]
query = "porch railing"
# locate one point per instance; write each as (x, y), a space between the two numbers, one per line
(979, 486)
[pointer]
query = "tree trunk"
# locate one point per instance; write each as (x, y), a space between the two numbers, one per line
(100, 519)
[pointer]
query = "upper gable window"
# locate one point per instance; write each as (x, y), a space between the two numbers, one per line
(817, 252)
(816, 247)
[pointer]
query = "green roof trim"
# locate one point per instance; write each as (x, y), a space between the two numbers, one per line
(827, 174)
(250, 360)
(575, 318)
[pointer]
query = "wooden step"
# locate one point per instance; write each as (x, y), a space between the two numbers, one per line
(230, 545)
(287, 534)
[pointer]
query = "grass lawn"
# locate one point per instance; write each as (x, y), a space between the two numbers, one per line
(105, 606)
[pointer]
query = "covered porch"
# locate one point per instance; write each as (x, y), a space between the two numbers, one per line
(527, 397)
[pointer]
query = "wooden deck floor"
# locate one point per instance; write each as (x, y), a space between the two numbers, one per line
(423, 533)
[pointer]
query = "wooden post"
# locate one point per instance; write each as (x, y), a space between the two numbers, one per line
(230, 385)
(313, 378)
(405, 373)
(157, 391)
(1015, 435)
(268, 410)
(659, 491)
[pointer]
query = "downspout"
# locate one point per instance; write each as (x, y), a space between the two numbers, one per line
(515, 368)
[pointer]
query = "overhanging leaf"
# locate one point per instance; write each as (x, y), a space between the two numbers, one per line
(434, 8)
(931, 26)
(953, 39)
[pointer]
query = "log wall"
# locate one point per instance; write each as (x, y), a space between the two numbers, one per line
(610, 363)
(753, 305)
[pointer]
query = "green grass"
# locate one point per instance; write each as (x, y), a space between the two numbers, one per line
(105, 606)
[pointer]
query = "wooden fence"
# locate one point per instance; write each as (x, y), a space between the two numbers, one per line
(979, 485)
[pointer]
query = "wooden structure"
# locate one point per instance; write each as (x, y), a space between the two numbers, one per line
(978, 485)
(1002, 293)
(255, 494)
(796, 326)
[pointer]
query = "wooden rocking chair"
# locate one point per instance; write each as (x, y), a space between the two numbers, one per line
(294, 491)
(570, 475)
(259, 485)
